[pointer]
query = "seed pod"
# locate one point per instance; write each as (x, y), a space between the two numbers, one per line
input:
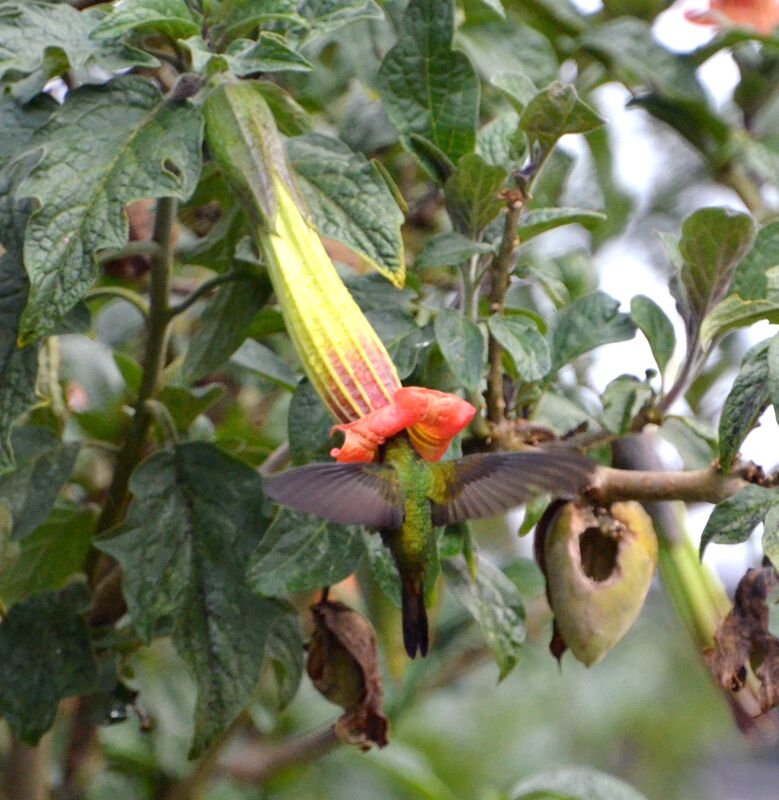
(598, 565)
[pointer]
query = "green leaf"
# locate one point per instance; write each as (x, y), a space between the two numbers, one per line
(301, 552)
(589, 322)
(350, 202)
(750, 280)
(744, 404)
(655, 325)
(401, 336)
(19, 123)
(501, 143)
(263, 361)
(170, 17)
(47, 557)
(45, 655)
(224, 325)
(771, 535)
(773, 373)
(17, 394)
(552, 113)
(734, 312)
(326, 16)
(382, 567)
(284, 650)
(713, 241)
(472, 194)
(269, 53)
(426, 87)
(308, 426)
(540, 220)
(139, 146)
(462, 345)
(734, 519)
(628, 46)
(195, 517)
(622, 399)
(494, 603)
(41, 40)
(574, 783)
(524, 343)
(44, 466)
(231, 18)
(291, 118)
(449, 250)
(187, 404)
(517, 87)
(697, 444)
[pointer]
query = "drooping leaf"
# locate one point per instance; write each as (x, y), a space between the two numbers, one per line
(622, 399)
(655, 325)
(258, 358)
(224, 325)
(462, 345)
(173, 18)
(427, 88)
(472, 194)
(591, 321)
(524, 343)
(29, 491)
(574, 783)
(40, 40)
(552, 113)
(494, 603)
(746, 401)
(139, 146)
(243, 57)
(449, 249)
(300, 552)
(196, 515)
(713, 241)
(284, 651)
(750, 278)
(734, 519)
(45, 655)
(540, 220)
(350, 201)
(47, 557)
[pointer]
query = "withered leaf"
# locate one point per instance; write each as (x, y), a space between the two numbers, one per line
(343, 666)
(743, 640)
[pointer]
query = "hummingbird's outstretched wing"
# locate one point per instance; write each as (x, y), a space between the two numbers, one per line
(486, 484)
(349, 494)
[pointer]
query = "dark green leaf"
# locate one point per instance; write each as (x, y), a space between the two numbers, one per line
(473, 194)
(18, 123)
(540, 220)
(325, 16)
(17, 394)
(44, 466)
(47, 557)
(523, 342)
(42, 40)
(427, 88)
(749, 280)
(574, 783)
(449, 250)
(746, 401)
(773, 373)
(170, 17)
(140, 146)
(382, 567)
(494, 602)
(231, 18)
(516, 87)
(462, 345)
(501, 143)
(591, 321)
(734, 519)
(196, 515)
(284, 651)
(655, 325)
(733, 312)
(350, 201)
(45, 655)
(224, 325)
(291, 118)
(269, 53)
(552, 113)
(187, 404)
(622, 399)
(301, 552)
(308, 426)
(401, 336)
(713, 241)
(262, 360)
(629, 47)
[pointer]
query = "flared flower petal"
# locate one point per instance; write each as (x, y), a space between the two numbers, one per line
(761, 15)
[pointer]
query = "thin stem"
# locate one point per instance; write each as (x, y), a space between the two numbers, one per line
(501, 272)
(205, 288)
(120, 293)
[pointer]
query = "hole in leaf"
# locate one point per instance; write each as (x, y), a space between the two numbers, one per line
(598, 552)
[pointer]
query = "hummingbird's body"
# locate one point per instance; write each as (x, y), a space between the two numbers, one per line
(406, 498)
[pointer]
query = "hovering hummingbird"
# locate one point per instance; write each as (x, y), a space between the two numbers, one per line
(405, 498)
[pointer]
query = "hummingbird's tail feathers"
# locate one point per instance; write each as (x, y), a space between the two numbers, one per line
(415, 628)
(349, 494)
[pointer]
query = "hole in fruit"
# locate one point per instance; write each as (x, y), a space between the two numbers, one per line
(598, 552)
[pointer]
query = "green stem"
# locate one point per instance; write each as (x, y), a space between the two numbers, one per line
(205, 288)
(142, 247)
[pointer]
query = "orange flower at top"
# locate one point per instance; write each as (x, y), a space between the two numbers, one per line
(761, 15)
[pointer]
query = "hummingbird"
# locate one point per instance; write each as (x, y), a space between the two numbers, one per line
(405, 498)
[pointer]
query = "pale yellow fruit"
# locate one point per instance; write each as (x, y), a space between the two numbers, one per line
(599, 565)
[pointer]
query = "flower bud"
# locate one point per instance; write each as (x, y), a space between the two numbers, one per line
(598, 565)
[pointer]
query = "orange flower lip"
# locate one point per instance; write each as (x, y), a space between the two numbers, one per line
(431, 417)
(761, 15)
